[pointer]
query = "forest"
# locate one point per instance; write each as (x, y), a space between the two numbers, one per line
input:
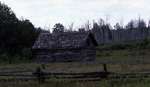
(16, 36)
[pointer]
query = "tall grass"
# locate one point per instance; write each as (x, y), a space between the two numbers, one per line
(61, 83)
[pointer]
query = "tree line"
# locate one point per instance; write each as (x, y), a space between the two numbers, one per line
(135, 30)
(16, 36)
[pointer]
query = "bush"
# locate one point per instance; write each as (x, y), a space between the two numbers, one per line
(144, 44)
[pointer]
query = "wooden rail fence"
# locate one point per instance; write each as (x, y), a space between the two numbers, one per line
(41, 75)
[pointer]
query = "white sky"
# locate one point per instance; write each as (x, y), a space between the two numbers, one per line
(45, 13)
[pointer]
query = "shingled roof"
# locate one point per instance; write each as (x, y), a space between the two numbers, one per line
(47, 40)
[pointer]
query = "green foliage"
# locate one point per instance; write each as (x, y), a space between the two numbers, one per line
(16, 36)
(58, 28)
(144, 43)
(7, 16)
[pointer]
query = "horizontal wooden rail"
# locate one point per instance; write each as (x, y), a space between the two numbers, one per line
(89, 76)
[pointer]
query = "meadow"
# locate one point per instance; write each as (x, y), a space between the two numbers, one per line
(134, 60)
(78, 67)
(103, 83)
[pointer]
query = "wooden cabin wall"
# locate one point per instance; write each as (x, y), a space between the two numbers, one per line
(72, 55)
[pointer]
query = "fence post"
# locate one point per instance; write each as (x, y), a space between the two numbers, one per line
(105, 67)
(43, 66)
(40, 75)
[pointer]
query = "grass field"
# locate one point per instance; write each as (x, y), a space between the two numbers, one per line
(124, 56)
(118, 61)
(103, 83)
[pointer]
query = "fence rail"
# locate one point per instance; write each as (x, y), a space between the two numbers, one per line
(91, 76)
(41, 75)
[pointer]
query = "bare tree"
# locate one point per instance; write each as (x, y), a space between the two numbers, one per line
(118, 26)
(149, 24)
(87, 26)
(71, 27)
(101, 22)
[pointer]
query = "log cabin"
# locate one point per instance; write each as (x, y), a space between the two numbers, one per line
(64, 47)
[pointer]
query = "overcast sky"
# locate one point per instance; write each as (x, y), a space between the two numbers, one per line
(45, 13)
